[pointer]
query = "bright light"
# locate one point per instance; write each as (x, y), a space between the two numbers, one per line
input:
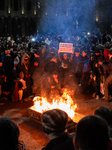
(22, 11)
(38, 4)
(33, 39)
(9, 10)
(35, 12)
(64, 102)
(88, 33)
(97, 18)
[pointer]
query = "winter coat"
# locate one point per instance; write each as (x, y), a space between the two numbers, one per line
(64, 142)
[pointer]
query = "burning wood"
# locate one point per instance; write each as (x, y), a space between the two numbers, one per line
(64, 102)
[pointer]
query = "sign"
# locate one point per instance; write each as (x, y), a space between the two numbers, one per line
(66, 47)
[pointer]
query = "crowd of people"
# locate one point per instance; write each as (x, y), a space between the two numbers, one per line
(91, 132)
(35, 66)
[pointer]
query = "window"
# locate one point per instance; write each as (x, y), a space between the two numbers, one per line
(2, 5)
(16, 5)
(11, 3)
(20, 3)
(29, 5)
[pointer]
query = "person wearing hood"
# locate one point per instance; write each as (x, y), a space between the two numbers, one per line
(34, 56)
(94, 62)
(77, 65)
(51, 62)
(25, 67)
(8, 67)
(54, 125)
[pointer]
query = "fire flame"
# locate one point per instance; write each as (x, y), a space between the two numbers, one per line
(64, 103)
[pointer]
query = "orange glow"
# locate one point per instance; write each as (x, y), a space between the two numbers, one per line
(64, 102)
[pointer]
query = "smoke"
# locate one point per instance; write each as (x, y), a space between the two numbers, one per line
(42, 83)
(36, 87)
(68, 17)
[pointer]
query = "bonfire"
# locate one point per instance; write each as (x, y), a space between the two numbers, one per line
(64, 102)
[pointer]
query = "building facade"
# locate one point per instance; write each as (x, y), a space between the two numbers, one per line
(104, 15)
(18, 17)
(26, 17)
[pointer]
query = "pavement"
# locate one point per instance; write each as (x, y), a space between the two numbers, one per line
(30, 131)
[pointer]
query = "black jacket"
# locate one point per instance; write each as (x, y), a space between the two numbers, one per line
(64, 142)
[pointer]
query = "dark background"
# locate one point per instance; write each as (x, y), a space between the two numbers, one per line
(25, 17)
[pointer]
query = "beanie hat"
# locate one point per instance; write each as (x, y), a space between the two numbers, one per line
(54, 121)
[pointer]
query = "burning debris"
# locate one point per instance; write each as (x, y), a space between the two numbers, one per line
(64, 102)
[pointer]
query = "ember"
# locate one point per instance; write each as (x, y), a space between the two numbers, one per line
(64, 102)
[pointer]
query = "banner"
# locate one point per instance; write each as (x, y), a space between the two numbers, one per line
(66, 47)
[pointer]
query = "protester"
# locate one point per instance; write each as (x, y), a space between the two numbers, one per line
(77, 65)
(65, 65)
(9, 135)
(54, 125)
(94, 82)
(92, 133)
(8, 67)
(106, 113)
(44, 58)
(25, 67)
(21, 87)
(108, 80)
